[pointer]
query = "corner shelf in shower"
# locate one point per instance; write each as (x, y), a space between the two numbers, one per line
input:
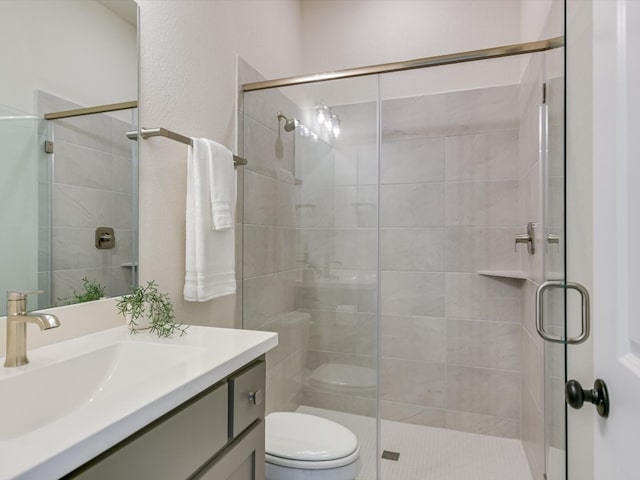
(517, 274)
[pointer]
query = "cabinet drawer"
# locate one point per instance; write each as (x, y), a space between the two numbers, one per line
(171, 448)
(242, 460)
(246, 398)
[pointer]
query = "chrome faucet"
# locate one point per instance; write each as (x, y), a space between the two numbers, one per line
(17, 319)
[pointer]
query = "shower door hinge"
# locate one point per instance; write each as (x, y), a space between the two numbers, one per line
(544, 93)
(48, 146)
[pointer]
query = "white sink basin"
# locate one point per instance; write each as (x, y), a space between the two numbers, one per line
(44, 394)
(77, 398)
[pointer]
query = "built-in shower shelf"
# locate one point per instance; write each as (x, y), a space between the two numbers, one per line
(517, 274)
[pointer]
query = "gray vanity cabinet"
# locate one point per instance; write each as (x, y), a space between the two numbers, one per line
(216, 435)
(243, 461)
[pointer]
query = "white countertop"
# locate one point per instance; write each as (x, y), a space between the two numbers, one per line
(112, 414)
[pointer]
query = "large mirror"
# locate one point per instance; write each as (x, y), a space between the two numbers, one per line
(68, 184)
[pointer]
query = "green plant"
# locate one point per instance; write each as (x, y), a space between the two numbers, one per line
(91, 290)
(148, 302)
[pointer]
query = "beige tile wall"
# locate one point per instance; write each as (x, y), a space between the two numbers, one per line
(450, 337)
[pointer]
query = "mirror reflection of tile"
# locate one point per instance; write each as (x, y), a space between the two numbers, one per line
(88, 183)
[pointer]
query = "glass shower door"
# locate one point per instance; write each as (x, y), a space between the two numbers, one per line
(462, 173)
(386, 259)
(553, 239)
(310, 249)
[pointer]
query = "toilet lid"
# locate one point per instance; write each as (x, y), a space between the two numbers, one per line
(298, 436)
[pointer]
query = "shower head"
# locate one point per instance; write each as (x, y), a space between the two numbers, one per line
(289, 123)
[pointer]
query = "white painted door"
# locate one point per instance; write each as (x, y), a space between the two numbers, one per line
(616, 292)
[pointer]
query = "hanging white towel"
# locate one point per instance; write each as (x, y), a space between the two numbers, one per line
(210, 236)
(221, 185)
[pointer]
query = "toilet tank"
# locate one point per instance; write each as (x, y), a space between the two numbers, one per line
(285, 363)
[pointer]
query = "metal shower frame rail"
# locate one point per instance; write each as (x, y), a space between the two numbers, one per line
(132, 135)
(78, 112)
(449, 59)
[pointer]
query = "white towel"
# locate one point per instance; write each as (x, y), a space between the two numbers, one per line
(221, 185)
(210, 236)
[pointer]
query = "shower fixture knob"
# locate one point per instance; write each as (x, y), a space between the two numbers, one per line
(529, 238)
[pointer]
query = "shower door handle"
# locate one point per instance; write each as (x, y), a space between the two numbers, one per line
(586, 312)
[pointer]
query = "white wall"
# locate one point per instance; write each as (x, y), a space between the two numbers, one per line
(533, 17)
(339, 34)
(75, 49)
(188, 84)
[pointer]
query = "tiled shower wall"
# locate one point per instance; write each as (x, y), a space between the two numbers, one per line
(450, 337)
(92, 176)
(450, 194)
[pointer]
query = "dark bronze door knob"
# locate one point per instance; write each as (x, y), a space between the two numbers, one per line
(575, 396)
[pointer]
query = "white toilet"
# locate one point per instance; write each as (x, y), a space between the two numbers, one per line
(306, 447)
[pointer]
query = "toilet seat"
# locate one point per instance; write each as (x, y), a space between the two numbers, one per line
(313, 464)
(297, 440)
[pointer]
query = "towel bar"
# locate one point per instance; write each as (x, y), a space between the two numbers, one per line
(163, 132)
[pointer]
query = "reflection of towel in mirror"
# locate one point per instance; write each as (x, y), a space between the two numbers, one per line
(210, 256)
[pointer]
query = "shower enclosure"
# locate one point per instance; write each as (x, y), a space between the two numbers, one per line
(379, 240)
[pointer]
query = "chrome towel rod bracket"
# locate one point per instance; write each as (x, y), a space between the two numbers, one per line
(163, 132)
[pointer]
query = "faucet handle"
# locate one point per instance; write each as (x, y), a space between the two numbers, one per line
(20, 295)
(17, 295)
(529, 238)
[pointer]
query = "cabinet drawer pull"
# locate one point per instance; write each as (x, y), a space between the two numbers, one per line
(256, 397)
(247, 399)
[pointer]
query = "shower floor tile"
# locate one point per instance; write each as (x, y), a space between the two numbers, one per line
(429, 453)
